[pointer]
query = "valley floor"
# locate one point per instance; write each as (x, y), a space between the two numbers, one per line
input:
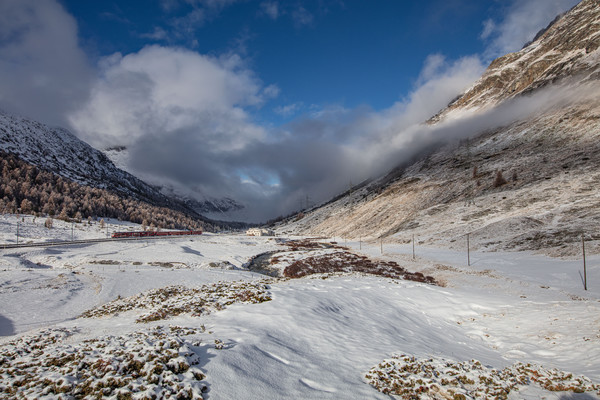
(249, 336)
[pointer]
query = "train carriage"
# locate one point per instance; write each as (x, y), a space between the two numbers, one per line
(117, 235)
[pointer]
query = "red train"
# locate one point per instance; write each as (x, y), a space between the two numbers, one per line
(154, 233)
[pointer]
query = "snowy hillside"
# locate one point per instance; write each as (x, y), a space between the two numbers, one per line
(59, 151)
(566, 50)
(525, 177)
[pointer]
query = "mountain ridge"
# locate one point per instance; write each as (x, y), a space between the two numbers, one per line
(567, 48)
(524, 184)
(59, 152)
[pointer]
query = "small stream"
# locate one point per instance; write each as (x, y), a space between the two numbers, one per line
(261, 264)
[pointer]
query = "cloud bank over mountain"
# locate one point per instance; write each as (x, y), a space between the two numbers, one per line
(190, 119)
(44, 73)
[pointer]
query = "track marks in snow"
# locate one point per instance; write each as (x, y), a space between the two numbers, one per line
(316, 386)
(273, 356)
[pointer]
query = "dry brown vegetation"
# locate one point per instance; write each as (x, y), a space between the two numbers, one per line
(411, 378)
(310, 244)
(341, 261)
(170, 301)
(27, 189)
(344, 261)
(150, 364)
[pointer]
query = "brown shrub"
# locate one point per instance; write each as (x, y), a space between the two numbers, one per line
(350, 262)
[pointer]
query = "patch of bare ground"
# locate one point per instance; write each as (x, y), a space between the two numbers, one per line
(344, 261)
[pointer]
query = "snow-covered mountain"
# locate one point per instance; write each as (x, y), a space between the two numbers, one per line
(527, 178)
(565, 50)
(194, 199)
(59, 151)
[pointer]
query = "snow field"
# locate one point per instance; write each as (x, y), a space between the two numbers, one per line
(317, 338)
(32, 229)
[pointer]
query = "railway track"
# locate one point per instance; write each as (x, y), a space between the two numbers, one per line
(87, 241)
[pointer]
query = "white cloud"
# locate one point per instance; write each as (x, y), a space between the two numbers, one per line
(271, 91)
(288, 110)
(440, 81)
(198, 13)
(522, 20)
(433, 65)
(43, 72)
(187, 25)
(161, 90)
(302, 16)
(185, 117)
(489, 27)
(157, 34)
(271, 9)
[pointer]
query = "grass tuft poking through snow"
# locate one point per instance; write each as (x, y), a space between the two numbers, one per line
(170, 301)
(411, 378)
(148, 364)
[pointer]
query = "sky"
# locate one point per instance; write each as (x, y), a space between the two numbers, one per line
(262, 101)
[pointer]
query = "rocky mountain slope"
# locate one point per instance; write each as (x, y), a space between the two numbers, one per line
(529, 183)
(59, 152)
(567, 49)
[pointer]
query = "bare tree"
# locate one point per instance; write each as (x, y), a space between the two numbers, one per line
(499, 181)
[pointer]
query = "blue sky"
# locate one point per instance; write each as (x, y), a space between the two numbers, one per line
(263, 101)
(349, 53)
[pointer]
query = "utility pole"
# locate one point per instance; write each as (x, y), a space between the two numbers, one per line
(468, 252)
(413, 245)
(18, 216)
(584, 267)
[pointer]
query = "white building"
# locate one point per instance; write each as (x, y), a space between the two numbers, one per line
(259, 232)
